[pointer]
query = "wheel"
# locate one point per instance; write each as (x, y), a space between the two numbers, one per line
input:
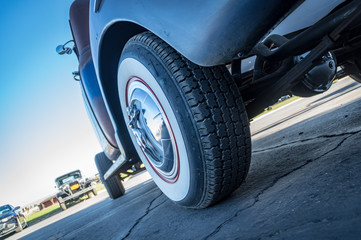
(113, 185)
(25, 223)
(95, 192)
(90, 194)
(20, 226)
(356, 77)
(356, 74)
(353, 69)
(187, 123)
(63, 206)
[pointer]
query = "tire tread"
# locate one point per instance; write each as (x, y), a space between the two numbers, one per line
(113, 185)
(219, 116)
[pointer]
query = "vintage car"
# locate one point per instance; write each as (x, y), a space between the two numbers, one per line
(173, 84)
(11, 220)
(73, 186)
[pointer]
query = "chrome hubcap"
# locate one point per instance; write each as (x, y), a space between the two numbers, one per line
(151, 129)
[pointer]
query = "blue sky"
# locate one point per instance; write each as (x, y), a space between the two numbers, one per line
(44, 128)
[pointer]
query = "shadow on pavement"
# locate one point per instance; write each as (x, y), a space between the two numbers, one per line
(297, 190)
(341, 92)
(93, 212)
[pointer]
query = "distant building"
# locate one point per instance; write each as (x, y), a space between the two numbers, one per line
(48, 202)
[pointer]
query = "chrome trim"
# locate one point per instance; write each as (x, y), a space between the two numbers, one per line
(151, 129)
(97, 5)
(77, 194)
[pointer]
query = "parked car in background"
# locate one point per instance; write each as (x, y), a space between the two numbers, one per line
(72, 186)
(173, 84)
(11, 220)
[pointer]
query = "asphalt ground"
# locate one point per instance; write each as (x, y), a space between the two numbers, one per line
(304, 183)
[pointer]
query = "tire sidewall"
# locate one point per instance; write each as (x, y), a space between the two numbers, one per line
(158, 69)
(20, 226)
(95, 192)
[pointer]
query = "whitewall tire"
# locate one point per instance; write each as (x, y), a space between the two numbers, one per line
(187, 123)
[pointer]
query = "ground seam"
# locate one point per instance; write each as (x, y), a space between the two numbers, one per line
(306, 140)
(144, 215)
(256, 199)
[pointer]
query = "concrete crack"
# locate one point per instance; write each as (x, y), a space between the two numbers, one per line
(158, 204)
(145, 214)
(219, 227)
(306, 140)
(274, 182)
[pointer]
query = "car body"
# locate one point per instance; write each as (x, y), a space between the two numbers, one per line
(72, 186)
(271, 49)
(11, 219)
(191, 32)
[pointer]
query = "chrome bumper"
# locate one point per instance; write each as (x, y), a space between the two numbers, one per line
(77, 194)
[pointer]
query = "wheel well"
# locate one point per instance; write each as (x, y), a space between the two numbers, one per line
(112, 44)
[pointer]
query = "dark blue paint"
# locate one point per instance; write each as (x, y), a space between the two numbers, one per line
(94, 97)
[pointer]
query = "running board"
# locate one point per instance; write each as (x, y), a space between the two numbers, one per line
(115, 167)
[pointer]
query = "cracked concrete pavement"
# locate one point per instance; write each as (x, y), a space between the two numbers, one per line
(303, 183)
